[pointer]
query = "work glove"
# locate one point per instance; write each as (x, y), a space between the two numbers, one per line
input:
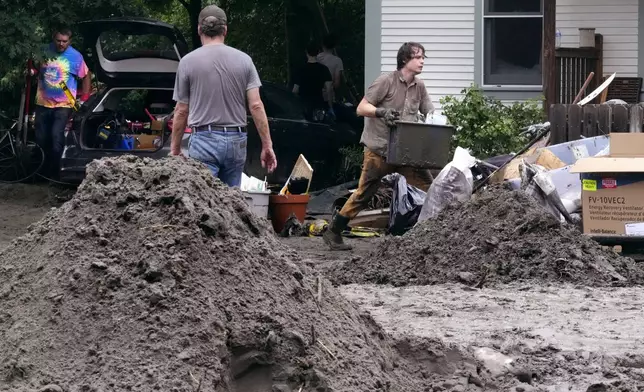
(390, 116)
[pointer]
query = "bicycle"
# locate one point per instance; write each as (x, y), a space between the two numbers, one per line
(20, 159)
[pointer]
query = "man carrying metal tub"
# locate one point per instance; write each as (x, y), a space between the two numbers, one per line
(393, 96)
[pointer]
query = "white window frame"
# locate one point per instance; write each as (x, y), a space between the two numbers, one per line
(489, 15)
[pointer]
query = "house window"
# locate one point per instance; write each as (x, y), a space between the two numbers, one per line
(512, 37)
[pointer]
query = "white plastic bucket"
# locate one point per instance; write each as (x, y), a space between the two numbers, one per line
(258, 202)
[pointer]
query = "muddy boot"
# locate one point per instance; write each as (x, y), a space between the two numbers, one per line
(333, 234)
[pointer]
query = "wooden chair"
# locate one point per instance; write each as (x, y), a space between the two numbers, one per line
(626, 89)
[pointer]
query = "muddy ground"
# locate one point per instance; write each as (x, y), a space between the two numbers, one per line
(563, 337)
(20, 206)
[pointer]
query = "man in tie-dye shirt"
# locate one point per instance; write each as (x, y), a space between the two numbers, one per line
(61, 63)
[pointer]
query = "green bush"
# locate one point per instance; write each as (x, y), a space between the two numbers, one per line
(486, 126)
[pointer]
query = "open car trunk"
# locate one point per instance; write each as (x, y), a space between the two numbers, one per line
(128, 119)
(128, 51)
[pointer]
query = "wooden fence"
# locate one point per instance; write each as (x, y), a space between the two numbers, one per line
(571, 122)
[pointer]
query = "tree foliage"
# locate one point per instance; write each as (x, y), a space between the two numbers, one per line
(26, 25)
(273, 32)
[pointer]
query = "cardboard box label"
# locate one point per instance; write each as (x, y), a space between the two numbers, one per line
(609, 183)
(613, 211)
(589, 185)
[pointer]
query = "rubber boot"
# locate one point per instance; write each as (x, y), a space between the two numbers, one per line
(333, 235)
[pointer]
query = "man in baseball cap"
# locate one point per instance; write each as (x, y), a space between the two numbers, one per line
(211, 88)
(211, 17)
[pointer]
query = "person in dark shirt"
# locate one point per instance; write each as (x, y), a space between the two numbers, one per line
(310, 83)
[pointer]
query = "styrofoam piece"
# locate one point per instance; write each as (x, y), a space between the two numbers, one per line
(570, 152)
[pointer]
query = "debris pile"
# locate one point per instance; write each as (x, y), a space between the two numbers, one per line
(499, 236)
(155, 276)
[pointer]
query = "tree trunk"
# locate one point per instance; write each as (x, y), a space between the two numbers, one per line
(303, 23)
(193, 12)
(298, 32)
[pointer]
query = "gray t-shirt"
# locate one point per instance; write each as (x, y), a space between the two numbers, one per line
(213, 81)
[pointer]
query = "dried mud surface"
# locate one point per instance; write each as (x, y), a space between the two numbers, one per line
(155, 276)
(564, 337)
(23, 204)
(500, 236)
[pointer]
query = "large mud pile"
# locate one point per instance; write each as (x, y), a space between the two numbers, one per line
(155, 276)
(498, 237)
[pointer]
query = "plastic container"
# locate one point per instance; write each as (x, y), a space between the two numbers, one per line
(127, 142)
(258, 202)
(558, 39)
(280, 208)
(436, 119)
(420, 145)
(586, 37)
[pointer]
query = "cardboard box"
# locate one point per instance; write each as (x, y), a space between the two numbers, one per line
(156, 125)
(612, 195)
(147, 142)
(626, 145)
(542, 157)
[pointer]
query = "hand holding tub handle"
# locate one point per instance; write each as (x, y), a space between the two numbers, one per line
(390, 116)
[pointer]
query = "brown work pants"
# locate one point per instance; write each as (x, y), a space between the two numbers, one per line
(374, 168)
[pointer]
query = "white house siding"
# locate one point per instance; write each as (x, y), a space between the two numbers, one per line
(446, 30)
(616, 20)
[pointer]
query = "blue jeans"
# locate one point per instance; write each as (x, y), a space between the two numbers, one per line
(50, 135)
(223, 152)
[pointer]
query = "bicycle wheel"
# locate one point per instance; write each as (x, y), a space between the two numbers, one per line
(19, 161)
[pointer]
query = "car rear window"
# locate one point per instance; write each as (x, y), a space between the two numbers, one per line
(120, 46)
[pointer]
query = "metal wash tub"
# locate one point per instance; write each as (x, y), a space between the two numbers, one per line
(420, 145)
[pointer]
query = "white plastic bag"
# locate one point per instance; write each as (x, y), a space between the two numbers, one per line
(536, 182)
(436, 119)
(572, 201)
(454, 183)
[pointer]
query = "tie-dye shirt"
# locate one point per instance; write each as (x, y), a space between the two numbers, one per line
(57, 67)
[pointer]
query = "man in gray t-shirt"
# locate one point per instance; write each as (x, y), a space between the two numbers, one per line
(212, 85)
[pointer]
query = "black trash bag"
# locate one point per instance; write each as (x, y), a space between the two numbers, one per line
(406, 203)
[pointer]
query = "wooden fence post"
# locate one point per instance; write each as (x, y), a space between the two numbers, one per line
(620, 118)
(548, 47)
(590, 120)
(559, 123)
(575, 122)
